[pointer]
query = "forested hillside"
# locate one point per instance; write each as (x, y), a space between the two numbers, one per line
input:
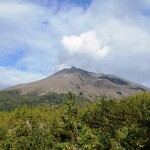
(102, 125)
(9, 100)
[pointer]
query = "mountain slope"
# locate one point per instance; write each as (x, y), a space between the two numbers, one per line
(83, 83)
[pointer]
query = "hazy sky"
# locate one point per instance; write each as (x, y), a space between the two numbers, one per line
(40, 37)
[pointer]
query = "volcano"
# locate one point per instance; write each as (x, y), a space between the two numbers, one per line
(82, 82)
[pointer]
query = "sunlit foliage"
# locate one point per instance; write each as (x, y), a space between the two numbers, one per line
(102, 125)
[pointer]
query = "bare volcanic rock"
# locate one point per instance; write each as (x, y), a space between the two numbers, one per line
(83, 83)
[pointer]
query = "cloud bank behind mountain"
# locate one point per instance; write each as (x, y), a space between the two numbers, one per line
(40, 37)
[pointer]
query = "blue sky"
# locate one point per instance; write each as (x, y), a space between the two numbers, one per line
(40, 37)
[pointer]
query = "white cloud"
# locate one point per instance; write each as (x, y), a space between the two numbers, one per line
(12, 76)
(110, 36)
(62, 66)
(87, 43)
(17, 9)
(18, 22)
(23, 28)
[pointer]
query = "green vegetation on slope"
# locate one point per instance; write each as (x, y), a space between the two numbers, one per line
(101, 125)
(9, 100)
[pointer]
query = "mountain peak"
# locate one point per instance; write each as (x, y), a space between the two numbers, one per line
(80, 81)
(73, 68)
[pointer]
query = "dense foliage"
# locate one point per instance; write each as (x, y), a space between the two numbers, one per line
(102, 125)
(9, 100)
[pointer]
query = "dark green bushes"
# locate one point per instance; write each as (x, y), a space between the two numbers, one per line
(106, 124)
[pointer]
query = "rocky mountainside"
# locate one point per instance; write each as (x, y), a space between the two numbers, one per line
(83, 83)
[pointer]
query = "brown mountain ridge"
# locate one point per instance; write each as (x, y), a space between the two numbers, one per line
(81, 82)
